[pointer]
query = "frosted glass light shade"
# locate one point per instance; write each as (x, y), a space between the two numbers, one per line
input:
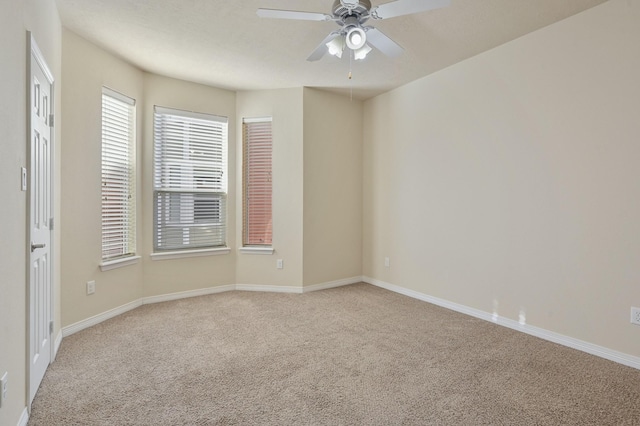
(362, 52)
(336, 46)
(356, 38)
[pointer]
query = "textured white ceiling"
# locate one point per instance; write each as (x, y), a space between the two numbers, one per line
(225, 44)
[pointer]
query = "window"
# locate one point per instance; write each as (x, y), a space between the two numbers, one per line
(257, 185)
(190, 180)
(118, 176)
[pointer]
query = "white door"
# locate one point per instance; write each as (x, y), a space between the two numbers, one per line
(40, 214)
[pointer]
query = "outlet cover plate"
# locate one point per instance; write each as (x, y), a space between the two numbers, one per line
(635, 316)
(91, 287)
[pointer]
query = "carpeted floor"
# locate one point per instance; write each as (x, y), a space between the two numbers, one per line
(355, 355)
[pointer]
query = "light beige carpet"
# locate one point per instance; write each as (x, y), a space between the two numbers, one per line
(355, 355)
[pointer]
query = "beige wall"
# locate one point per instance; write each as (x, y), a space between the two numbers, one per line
(509, 182)
(332, 187)
(177, 275)
(41, 18)
(86, 69)
(13, 209)
(285, 106)
(317, 175)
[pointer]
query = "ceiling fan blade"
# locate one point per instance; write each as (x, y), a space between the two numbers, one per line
(293, 14)
(322, 47)
(406, 7)
(383, 43)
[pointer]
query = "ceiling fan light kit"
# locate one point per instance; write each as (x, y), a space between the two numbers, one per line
(336, 46)
(362, 52)
(351, 16)
(356, 38)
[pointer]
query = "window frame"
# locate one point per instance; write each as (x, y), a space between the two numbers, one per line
(118, 180)
(257, 149)
(190, 168)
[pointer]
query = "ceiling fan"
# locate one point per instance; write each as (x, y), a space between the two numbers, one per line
(351, 16)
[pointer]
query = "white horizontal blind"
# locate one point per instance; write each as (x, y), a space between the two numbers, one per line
(257, 190)
(190, 180)
(118, 176)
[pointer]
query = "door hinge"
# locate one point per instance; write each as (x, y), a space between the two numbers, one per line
(50, 327)
(51, 224)
(51, 121)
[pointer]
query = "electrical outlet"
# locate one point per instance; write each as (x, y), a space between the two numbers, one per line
(3, 388)
(635, 316)
(279, 264)
(91, 287)
(387, 262)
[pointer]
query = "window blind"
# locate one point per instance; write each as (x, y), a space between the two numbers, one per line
(118, 176)
(257, 186)
(190, 180)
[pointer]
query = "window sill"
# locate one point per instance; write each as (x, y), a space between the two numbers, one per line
(119, 263)
(190, 253)
(256, 250)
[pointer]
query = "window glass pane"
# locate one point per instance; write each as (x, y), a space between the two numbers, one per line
(257, 182)
(190, 184)
(118, 176)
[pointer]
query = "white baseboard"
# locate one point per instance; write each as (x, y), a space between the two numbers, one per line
(24, 418)
(590, 348)
(56, 344)
(187, 294)
(296, 289)
(332, 284)
(268, 288)
(97, 319)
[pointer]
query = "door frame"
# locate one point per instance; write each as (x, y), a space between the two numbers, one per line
(34, 51)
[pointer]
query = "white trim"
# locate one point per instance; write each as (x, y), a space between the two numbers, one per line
(189, 253)
(590, 348)
(185, 294)
(257, 119)
(39, 57)
(269, 288)
(298, 289)
(332, 284)
(119, 96)
(24, 418)
(97, 319)
(256, 250)
(190, 114)
(56, 345)
(119, 263)
(34, 53)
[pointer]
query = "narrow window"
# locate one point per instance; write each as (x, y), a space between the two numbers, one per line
(257, 185)
(118, 176)
(190, 180)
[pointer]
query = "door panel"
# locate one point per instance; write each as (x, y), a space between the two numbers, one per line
(40, 189)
